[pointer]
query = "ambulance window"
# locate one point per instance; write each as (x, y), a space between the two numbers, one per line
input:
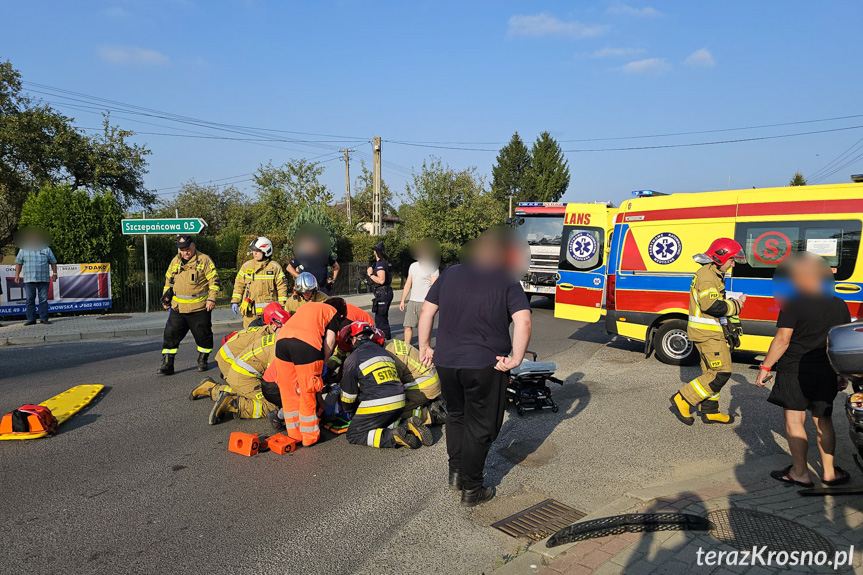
(766, 245)
(582, 249)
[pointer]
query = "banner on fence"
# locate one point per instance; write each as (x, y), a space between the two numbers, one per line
(79, 287)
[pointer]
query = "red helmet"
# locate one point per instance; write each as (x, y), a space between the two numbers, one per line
(724, 249)
(274, 313)
(342, 340)
(378, 336)
(357, 328)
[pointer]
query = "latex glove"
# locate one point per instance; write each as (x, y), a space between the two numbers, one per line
(235, 307)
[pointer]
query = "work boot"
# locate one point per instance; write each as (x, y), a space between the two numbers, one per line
(417, 427)
(717, 418)
(455, 479)
(681, 409)
(226, 404)
(203, 358)
(475, 496)
(276, 420)
(167, 367)
(203, 390)
(403, 436)
(437, 412)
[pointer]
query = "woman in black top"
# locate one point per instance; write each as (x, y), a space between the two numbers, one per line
(381, 274)
(805, 381)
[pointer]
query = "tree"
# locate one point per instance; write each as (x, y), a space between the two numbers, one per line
(451, 206)
(511, 174)
(549, 172)
(39, 147)
(362, 200)
(225, 209)
(284, 190)
(314, 219)
(797, 180)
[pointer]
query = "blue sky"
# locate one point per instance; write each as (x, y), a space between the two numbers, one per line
(463, 72)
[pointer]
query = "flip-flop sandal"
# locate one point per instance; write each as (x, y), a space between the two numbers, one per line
(842, 477)
(782, 475)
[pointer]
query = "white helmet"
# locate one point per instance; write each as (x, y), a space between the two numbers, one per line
(263, 245)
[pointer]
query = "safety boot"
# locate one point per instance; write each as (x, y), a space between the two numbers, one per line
(455, 479)
(226, 404)
(203, 358)
(403, 436)
(437, 412)
(276, 420)
(167, 367)
(204, 389)
(681, 409)
(717, 418)
(417, 427)
(473, 497)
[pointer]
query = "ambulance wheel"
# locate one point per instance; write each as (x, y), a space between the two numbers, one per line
(672, 344)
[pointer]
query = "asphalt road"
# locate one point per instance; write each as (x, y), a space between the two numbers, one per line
(139, 483)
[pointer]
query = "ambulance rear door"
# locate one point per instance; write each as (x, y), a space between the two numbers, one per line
(584, 249)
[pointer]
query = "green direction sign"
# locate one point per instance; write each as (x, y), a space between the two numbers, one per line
(164, 226)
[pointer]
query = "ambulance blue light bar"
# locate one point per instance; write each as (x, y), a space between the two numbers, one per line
(647, 193)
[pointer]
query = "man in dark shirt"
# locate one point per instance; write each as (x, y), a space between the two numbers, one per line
(476, 301)
(311, 255)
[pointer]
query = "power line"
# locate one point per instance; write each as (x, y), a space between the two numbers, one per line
(839, 158)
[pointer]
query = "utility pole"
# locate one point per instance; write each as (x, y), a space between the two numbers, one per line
(348, 183)
(376, 209)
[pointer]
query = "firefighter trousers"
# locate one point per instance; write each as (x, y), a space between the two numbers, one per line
(299, 381)
(179, 324)
(374, 429)
(703, 391)
(250, 398)
(416, 402)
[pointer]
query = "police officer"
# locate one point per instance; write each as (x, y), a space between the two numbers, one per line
(259, 281)
(191, 286)
(708, 329)
(305, 290)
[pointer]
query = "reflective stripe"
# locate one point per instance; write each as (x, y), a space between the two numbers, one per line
(418, 411)
(423, 382)
(708, 291)
(698, 389)
(237, 364)
(382, 401)
(291, 424)
(309, 429)
(714, 397)
(370, 438)
(261, 305)
(170, 351)
(376, 362)
(377, 440)
(205, 350)
(210, 275)
(309, 418)
(381, 405)
(704, 320)
(236, 295)
(348, 397)
(290, 414)
(228, 388)
(259, 409)
(189, 298)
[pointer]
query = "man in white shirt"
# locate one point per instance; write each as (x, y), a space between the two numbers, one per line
(421, 275)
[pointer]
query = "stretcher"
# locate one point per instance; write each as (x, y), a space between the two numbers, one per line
(63, 406)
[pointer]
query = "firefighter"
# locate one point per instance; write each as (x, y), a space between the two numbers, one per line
(191, 286)
(302, 347)
(343, 347)
(709, 312)
(305, 290)
(259, 281)
(243, 359)
(373, 393)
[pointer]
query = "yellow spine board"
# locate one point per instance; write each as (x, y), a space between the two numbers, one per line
(63, 406)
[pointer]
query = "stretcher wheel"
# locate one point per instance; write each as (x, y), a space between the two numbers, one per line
(554, 409)
(519, 410)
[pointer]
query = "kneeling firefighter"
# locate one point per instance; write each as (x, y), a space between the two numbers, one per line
(243, 359)
(305, 290)
(713, 328)
(260, 281)
(373, 393)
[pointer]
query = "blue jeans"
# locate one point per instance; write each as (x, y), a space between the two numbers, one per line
(30, 289)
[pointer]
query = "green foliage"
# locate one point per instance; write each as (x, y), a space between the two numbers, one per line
(450, 206)
(511, 174)
(83, 228)
(797, 180)
(549, 170)
(280, 241)
(311, 215)
(225, 209)
(284, 190)
(362, 198)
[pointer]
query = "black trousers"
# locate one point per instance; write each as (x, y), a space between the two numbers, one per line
(382, 315)
(179, 324)
(475, 402)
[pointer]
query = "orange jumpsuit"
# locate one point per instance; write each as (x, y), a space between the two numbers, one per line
(298, 366)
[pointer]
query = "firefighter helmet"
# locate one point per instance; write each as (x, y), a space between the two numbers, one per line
(263, 245)
(378, 336)
(724, 249)
(305, 282)
(342, 340)
(274, 313)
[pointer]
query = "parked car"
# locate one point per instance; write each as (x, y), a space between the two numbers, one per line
(845, 350)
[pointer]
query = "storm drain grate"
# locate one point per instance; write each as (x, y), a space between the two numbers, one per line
(540, 521)
(744, 529)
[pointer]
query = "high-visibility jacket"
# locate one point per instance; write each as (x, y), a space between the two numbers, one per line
(265, 282)
(310, 324)
(707, 303)
(296, 301)
(370, 381)
(230, 356)
(193, 282)
(358, 314)
(416, 377)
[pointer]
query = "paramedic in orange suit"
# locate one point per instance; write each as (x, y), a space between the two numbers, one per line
(303, 344)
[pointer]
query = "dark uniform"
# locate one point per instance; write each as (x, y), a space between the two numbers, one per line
(190, 283)
(373, 393)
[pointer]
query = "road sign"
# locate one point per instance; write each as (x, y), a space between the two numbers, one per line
(164, 226)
